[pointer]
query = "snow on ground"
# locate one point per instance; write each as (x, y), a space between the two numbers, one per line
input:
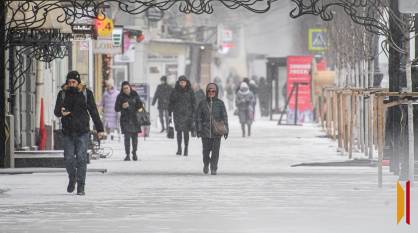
(256, 190)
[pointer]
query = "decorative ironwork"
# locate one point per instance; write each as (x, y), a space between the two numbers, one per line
(25, 14)
(40, 44)
(372, 14)
(26, 39)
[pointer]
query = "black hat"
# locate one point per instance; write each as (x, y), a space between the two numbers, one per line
(163, 79)
(124, 83)
(182, 78)
(73, 75)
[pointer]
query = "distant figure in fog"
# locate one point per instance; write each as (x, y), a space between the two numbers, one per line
(230, 94)
(218, 82)
(129, 103)
(199, 94)
(244, 102)
(254, 89)
(110, 116)
(162, 95)
(75, 106)
(244, 80)
(263, 96)
(211, 114)
(182, 106)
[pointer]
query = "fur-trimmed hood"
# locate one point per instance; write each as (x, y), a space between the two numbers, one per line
(81, 87)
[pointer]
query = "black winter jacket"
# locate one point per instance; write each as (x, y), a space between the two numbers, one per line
(129, 122)
(182, 105)
(80, 103)
(210, 110)
(162, 94)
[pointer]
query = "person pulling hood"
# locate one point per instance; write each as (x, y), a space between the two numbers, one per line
(212, 86)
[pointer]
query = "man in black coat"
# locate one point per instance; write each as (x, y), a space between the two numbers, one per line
(129, 103)
(211, 111)
(162, 94)
(263, 95)
(182, 106)
(75, 105)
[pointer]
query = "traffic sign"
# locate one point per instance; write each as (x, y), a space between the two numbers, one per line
(318, 39)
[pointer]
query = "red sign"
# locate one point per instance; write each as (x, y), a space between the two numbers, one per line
(299, 71)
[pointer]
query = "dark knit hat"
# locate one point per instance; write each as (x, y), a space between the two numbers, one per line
(124, 83)
(182, 78)
(163, 79)
(73, 75)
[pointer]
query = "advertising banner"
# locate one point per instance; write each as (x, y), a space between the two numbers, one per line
(299, 71)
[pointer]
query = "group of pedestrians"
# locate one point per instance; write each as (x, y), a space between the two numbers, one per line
(75, 105)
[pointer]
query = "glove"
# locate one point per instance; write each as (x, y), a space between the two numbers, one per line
(225, 136)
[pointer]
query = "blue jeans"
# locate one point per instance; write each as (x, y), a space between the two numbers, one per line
(75, 156)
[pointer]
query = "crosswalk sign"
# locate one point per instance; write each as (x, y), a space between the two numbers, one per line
(318, 39)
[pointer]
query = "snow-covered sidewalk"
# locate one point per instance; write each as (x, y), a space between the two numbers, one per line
(256, 190)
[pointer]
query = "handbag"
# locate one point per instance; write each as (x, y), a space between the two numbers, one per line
(143, 118)
(170, 132)
(219, 127)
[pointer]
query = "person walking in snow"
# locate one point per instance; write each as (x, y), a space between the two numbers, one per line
(230, 94)
(129, 103)
(75, 105)
(162, 95)
(244, 102)
(212, 125)
(182, 107)
(110, 116)
(263, 96)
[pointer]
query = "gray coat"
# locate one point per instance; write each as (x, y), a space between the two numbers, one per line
(245, 102)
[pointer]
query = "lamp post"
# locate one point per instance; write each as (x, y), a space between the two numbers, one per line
(3, 129)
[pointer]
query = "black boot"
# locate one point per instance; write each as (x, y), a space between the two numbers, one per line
(213, 172)
(71, 184)
(178, 151)
(186, 143)
(162, 130)
(179, 139)
(80, 190)
(205, 169)
(127, 158)
(134, 157)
